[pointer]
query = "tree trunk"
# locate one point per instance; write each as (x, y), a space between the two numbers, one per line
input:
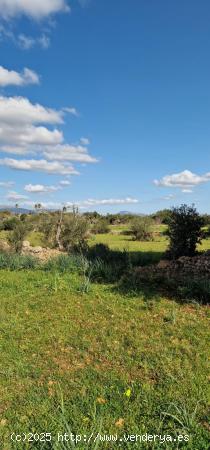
(58, 233)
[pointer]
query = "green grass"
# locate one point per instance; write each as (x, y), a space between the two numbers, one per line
(116, 240)
(99, 362)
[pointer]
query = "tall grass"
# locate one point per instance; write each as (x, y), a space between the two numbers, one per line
(14, 261)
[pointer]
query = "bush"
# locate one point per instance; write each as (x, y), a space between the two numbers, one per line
(141, 228)
(100, 227)
(67, 231)
(17, 236)
(10, 224)
(74, 233)
(185, 231)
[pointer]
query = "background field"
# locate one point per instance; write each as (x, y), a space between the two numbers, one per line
(117, 239)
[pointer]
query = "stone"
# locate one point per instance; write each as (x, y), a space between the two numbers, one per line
(26, 244)
(163, 263)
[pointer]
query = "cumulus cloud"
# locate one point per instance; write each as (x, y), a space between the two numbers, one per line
(184, 180)
(20, 125)
(24, 130)
(69, 153)
(19, 110)
(41, 165)
(40, 188)
(11, 77)
(35, 9)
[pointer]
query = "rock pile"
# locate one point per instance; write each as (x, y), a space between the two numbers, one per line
(41, 253)
(197, 267)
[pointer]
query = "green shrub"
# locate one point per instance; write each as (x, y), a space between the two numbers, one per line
(10, 223)
(185, 231)
(74, 232)
(141, 228)
(17, 236)
(100, 227)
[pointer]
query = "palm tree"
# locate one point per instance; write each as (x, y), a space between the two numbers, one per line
(16, 207)
(37, 206)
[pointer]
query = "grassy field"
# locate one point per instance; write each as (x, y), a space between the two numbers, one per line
(117, 239)
(99, 362)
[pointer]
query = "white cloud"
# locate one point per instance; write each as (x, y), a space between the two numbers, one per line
(24, 41)
(84, 141)
(13, 196)
(18, 142)
(69, 153)
(40, 188)
(27, 42)
(187, 191)
(44, 41)
(83, 204)
(36, 9)
(109, 201)
(28, 129)
(42, 165)
(19, 125)
(19, 110)
(11, 77)
(65, 182)
(184, 180)
(6, 184)
(72, 111)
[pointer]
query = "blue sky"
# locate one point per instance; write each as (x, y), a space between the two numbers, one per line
(105, 104)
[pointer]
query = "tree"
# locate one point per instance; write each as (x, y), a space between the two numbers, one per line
(162, 216)
(17, 236)
(100, 227)
(38, 206)
(141, 228)
(59, 228)
(65, 231)
(185, 231)
(74, 231)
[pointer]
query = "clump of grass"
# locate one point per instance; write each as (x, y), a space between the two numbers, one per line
(18, 262)
(64, 263)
